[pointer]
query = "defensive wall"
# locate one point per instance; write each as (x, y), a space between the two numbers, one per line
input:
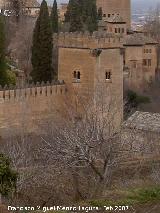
(23, 108)
(89, 41)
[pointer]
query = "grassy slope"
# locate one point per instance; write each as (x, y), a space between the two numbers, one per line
(142, 200)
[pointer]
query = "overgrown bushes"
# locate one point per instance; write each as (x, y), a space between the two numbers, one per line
(133, 101)
(8, 177)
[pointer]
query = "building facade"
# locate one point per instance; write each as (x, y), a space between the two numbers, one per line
(92, 66)
(140, 51)
(140, 62)
(32, 8)
(111, 8)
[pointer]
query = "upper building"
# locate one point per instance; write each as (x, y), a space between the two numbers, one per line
(140, 61)
(112, 8)
(62, 10)
(30, 7)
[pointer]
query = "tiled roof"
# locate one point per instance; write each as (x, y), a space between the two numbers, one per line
(144, 121)
(138, 39)
(115, 19)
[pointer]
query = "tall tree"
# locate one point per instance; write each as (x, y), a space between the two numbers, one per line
(92, 17)
(42, 47)
(100, 13)
(54, 17)
(74, 15)
(82, 15)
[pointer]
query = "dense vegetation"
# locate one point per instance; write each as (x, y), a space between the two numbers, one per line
(6, 76)
(8, 177)
(54, 17)
(133, 101)
(82, 15)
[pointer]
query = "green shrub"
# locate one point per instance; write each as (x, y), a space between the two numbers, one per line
(8, 177)
(11, 77)
(7, 77)
(134, 100)
(132, 197)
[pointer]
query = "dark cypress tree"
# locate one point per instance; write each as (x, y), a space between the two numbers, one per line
(100, 13)
(74, 15)
(54, 17)
(92, 18)
(42, 47)
(82, 15)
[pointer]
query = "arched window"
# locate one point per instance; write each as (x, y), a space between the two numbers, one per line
(75, 74)
(108, 75)
(78, 75)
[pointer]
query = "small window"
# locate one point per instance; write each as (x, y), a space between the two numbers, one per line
(150, 51)
(149, 62)
(146, 50)
(104, 15)
(78, 75)
(115, 30)
(119, 30)
(109, 15)
(122, 30)
(108, 75)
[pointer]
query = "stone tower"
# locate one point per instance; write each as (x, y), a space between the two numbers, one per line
(116, 7)
(92, 65)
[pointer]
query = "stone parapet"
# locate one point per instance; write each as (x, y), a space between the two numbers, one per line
(89, 41)
(13, 93)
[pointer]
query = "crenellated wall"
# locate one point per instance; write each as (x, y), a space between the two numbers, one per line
(24, 108)
(36, 91)
(89, 41)
(92, 55)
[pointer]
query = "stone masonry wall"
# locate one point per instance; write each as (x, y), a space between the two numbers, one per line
(23, 108)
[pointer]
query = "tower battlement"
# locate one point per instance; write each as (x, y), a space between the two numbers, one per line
(88, 41)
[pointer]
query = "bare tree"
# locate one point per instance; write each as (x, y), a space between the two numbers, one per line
(88, 146)
(20, 45)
